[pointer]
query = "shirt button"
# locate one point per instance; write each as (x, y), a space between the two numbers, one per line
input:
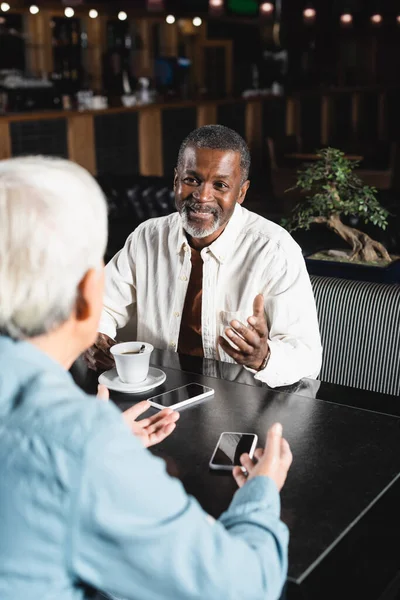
(177, 314)
(172, 344)
(183, 278)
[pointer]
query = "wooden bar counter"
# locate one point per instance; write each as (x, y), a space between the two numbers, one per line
(142, 140)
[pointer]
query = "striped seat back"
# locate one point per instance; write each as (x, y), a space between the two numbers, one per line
(360, 331)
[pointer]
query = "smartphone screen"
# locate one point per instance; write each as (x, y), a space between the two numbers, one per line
(231, 446)
(181, 394)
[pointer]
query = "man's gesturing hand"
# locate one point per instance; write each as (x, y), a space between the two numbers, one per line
(272, 462)
(251, 340)
(152, 430)
(98, 357)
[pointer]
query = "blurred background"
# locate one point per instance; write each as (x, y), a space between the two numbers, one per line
(116, 85)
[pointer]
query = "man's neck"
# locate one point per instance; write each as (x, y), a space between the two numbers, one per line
(58, 345)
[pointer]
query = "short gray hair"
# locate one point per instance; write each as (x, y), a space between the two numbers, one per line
(218, 137)
(53, 220)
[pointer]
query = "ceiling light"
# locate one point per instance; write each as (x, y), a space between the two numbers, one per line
(69, 12)
(122, 16)
(93, 14)
(170, 19)
(197, 21)
(34, 9)
(309, 13)
(4, 6)
(376, 19)
(216, 3)
(346, 18)
(267, 8)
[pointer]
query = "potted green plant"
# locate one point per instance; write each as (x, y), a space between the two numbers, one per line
(333, 190)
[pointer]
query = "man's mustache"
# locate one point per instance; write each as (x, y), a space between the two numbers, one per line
(198, 206)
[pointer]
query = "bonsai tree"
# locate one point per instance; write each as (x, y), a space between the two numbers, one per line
(335, 190)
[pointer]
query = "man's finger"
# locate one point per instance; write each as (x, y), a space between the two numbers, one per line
(239, 476)
(241, 344)
(247, 462)
(159, 424)
(235, 354)
(274, 439)
(258, 453)
(249, 335)
(137, 409)
(160, 435)
(102, 392)
(286, 453)
(258, 306)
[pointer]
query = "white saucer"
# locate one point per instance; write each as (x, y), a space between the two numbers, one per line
(110, 379)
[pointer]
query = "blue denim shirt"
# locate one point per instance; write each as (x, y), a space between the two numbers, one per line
(80, 505)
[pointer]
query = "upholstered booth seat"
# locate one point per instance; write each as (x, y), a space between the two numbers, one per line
(360, 330)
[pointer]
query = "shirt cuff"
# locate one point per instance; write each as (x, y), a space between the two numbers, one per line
(260, 492)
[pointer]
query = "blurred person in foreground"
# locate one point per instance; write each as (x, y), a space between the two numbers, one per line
(214, 279)
(80, 505)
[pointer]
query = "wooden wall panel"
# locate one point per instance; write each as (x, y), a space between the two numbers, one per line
(81, 142)
(150, 142)
(206, 114)
(5, 141)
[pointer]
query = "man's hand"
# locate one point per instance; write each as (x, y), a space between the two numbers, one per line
(272, 462)
(251, 340)
(98, 357)
(152, 430)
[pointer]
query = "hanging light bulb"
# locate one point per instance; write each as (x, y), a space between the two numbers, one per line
(4, 6)
(93, 14)
(376, 19)
(170, 19)
(266, 8)
(309, 14)
(34, 9)
(216, 7)
(122, 16)
(69, 12)
(197, 21)
(398, 19)
(346, 19)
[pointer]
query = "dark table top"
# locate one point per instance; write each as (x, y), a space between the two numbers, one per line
(346, 449)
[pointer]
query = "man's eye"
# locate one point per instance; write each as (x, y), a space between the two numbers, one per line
(221, 185)
(190, 180)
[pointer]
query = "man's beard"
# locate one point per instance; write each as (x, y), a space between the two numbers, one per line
(198, 230)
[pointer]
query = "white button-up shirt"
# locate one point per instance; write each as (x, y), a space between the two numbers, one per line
(146, 284)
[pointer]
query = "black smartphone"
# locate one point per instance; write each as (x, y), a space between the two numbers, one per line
(231, 445)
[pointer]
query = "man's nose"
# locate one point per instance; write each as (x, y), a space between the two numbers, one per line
(204, 193)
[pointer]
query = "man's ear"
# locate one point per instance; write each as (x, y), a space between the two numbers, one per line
(88, 291)
(243, 191)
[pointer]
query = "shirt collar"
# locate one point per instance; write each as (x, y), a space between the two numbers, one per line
(222, 245)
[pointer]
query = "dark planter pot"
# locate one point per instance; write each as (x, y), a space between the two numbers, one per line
(341, 270)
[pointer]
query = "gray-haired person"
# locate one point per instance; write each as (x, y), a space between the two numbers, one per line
(80, 495)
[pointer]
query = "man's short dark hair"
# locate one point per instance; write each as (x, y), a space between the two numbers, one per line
(218, 137)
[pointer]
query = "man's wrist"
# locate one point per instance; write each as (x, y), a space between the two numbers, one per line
(264, 362)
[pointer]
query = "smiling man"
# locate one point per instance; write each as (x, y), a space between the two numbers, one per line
(214, 280)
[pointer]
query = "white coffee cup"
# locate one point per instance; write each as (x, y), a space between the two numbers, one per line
(132, 366)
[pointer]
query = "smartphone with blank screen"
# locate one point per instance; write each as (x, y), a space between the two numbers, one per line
(181, 396)
(231, 445)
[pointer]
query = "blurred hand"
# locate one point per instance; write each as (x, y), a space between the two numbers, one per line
(151, 431)
(272, 462)
(98, 357)
(251, 340)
